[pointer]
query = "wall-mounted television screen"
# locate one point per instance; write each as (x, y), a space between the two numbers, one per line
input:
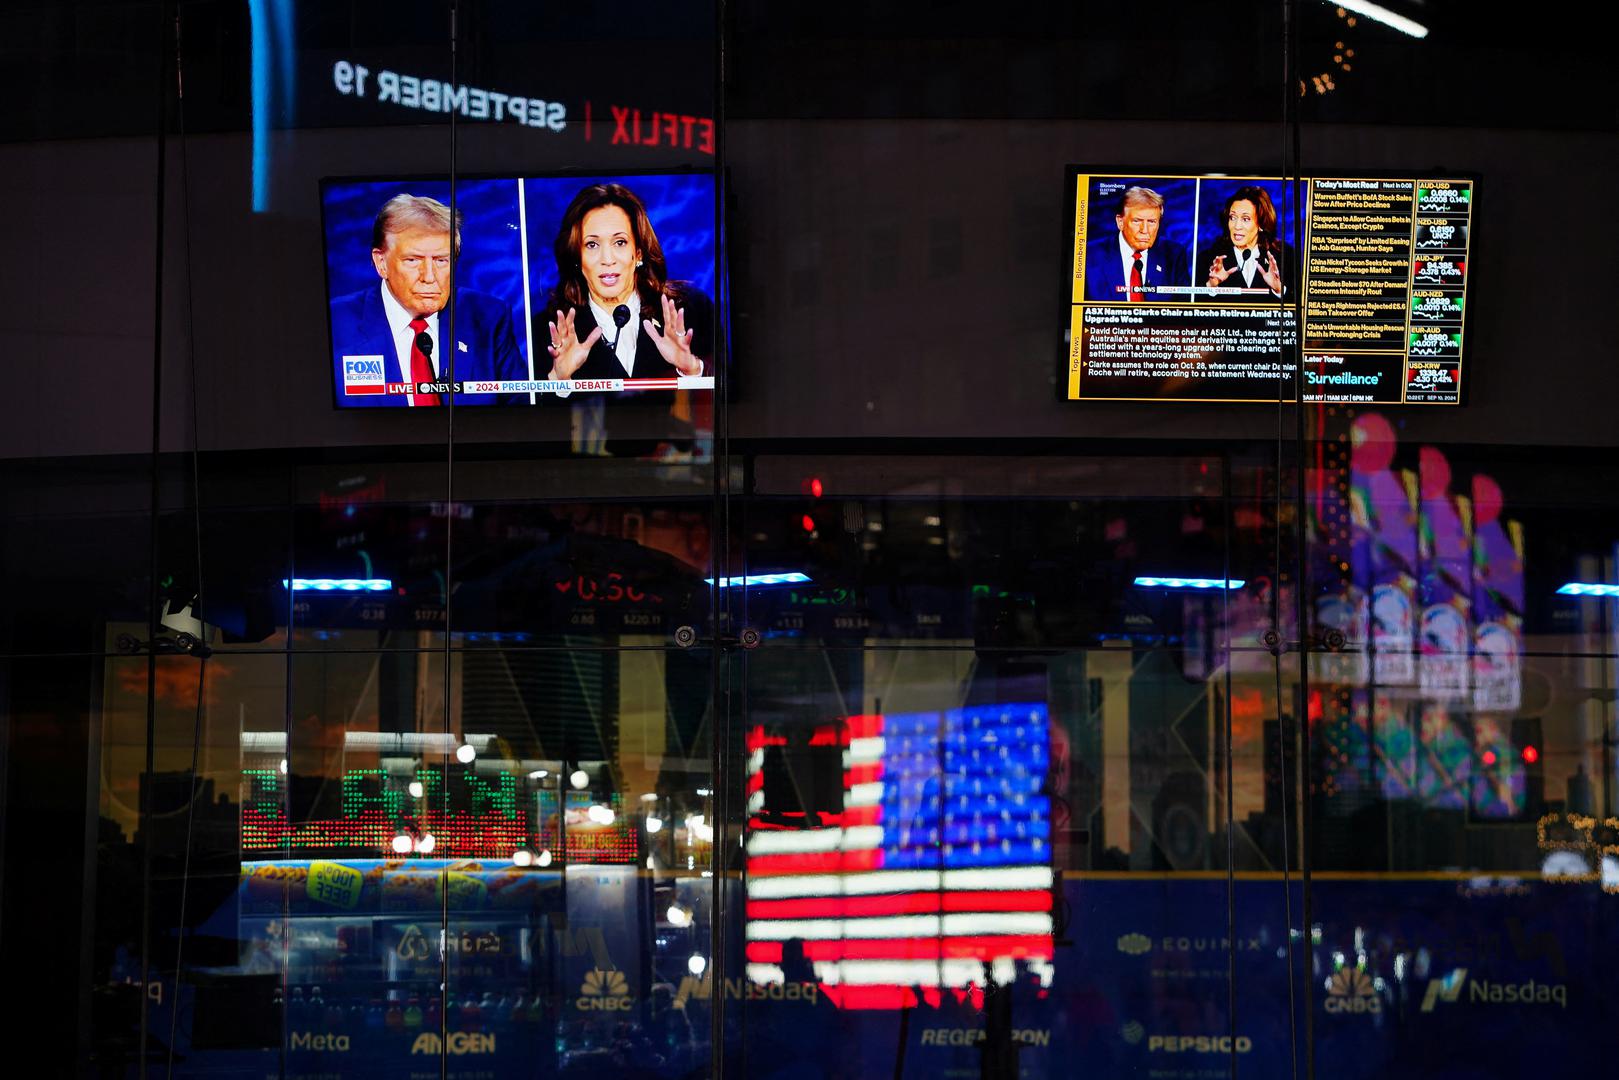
(1183, 287)
(519, 290)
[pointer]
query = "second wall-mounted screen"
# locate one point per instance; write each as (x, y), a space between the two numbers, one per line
(1183, 288)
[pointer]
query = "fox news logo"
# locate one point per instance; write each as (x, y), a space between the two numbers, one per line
(363, 375)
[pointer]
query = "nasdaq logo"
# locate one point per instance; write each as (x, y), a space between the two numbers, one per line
(460, 1042)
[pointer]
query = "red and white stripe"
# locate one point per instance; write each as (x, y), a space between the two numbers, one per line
(876, 937)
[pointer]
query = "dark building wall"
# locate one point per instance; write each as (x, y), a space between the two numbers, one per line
(891, 278)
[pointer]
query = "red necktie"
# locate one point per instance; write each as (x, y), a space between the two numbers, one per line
(420, 370)
(1135, 280)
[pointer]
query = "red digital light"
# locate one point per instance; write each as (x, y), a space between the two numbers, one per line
(1489, 757)
(1531, 755)
(807, 522)
(815, 486)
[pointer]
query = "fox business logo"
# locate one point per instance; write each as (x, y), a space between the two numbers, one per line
(605, 991)
(364, 375)
(1351, 991)
(1487, 992)
(460, 1042)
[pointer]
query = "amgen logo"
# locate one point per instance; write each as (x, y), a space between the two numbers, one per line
(1449, 989)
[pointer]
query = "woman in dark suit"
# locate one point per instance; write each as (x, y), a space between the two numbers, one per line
(615, 313)
(1250, 255)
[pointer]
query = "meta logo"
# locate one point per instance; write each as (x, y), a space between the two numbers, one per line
(606, 991)
(308, 1040)
(1351, 991)
(745, 990)
(460, 1042)
(974, 1036)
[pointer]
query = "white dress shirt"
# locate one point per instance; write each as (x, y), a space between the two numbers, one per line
(632, 330)
(1127, 256)
(404, 339)
(1248, 264)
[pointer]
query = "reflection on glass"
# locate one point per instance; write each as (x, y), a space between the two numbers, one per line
(895, 860)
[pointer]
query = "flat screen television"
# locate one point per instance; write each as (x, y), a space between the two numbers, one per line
(1183, 287)
(555, 286)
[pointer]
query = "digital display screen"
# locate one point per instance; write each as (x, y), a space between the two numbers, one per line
(561, 285)
(1182, 288)
(904, 858)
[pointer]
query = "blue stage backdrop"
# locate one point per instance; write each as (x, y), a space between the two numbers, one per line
(680, 205)
(1212, 228)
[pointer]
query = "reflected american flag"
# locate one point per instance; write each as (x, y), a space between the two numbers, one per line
(932, 874)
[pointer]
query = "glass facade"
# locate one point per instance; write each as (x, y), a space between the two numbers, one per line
(725, 540)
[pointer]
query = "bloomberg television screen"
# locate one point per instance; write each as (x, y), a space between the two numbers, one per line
(1182, 288)
(561, 285)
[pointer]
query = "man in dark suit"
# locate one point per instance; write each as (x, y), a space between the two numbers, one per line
(398, 332)
(1133, 264)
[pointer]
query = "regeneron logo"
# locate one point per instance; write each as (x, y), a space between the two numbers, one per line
(309, 1040)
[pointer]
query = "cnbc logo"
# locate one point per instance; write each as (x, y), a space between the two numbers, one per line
(1351, 991)
(1135, 944)
(605, 991)
(1449, 991)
